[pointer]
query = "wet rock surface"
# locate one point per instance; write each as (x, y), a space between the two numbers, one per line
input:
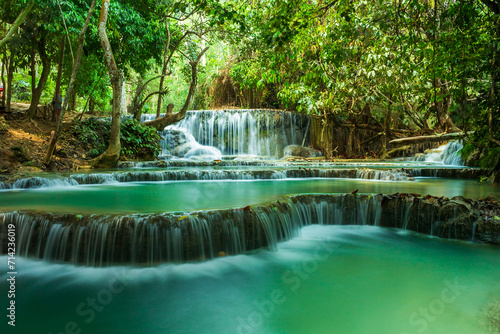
(301, 151)
(459, 173)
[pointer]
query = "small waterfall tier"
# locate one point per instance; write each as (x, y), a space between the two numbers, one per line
(211, 174)
(447, 154)
(103, 240)
(394, 174)
(234, 132)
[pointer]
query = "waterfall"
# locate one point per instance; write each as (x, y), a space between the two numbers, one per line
(399, 174)
(101, 240)
(234, 132)
(450, 154)
(447, 154)
(383, 175)
(205, 175)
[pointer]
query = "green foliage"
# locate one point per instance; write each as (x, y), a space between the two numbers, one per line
(402, 65)
(20, 90)
(4, 127)
(137, 140)
(407, 64)
(92, 134)
(487, 156)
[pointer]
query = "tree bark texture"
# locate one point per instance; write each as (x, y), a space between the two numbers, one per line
(428, 139)
(10, 79)
(69, 91)
(109, 158)
(59, 72)
(163, 71)
(37, 92)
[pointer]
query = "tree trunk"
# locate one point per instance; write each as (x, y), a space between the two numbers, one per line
(496, 173)
(387, 127)
(428, 139)
(134, 108)
(139, 102)
(76, 65)
(59, 73)
(33, 70)
(37, 92)
(164, 70)
(493, 108)
(91, 106)
(170, 118)
(393, 152)
(110, 158)
(326, 138)
(442, 106)
(4, 85)
(72, 100)
(10, 78)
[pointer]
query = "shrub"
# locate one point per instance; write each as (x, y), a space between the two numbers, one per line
(92, 134)
(137, 141)
(4, 127)
(487, 157)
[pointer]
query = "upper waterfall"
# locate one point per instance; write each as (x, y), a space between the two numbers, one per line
(234, 132)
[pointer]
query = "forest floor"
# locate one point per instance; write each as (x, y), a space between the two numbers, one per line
(24, 146)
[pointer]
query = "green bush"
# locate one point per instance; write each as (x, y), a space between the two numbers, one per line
(21, 90)
(137, 141)
(3, 125)
(489, 156)
(92, 134)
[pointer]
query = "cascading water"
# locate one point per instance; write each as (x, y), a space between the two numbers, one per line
(101, 240)
(233, 132)
(451, 155)
(228, 174)
(447, 154)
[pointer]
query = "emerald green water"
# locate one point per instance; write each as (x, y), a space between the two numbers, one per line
(332, 279)
(197, 195)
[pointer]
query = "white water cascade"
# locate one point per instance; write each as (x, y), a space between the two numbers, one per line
(263, 133)
(445, 154)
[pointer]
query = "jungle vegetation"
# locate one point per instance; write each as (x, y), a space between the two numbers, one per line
(399, 68)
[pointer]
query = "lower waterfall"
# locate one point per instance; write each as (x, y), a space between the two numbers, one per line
(103, 240)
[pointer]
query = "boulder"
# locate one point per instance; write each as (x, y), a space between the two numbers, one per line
(181, 150)
(175, 137)
(300, 151)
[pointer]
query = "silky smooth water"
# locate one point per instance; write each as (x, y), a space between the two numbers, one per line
(331, 279)
(167, 196)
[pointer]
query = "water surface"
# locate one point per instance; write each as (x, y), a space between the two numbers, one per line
(148, 197)
(332, 279)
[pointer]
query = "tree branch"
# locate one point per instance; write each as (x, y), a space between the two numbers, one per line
(71, 85)
(17, 23)
(67, 33)
(170, 118)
